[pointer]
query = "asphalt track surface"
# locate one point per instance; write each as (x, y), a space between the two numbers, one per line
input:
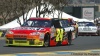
(80, 43)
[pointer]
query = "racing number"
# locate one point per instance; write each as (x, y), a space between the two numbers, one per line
(59, 35)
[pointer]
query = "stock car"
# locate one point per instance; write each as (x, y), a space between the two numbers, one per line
(87, 28)
(40, 32)
(73, 24)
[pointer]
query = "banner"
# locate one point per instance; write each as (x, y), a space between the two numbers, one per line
(88, 13)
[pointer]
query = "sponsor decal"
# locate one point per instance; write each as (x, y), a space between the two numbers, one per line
(69, 28)
(28, 28)
(88, 13)
(59, 35)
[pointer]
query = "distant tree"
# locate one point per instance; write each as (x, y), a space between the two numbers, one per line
(16, 8)
(58, 4)
(5, 9)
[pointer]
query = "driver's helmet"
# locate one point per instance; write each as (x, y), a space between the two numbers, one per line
(36, 23)
(45, 23)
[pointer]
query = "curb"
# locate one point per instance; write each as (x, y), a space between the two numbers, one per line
(94, 52)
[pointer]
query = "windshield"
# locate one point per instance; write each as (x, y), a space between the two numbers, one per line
(86, 24)
(64, 23)
(37, 23)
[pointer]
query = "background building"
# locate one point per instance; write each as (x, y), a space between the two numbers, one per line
(75, 8)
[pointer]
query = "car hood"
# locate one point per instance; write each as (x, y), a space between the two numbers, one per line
(27, 30)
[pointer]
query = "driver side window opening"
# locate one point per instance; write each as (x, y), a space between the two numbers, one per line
(56, 24)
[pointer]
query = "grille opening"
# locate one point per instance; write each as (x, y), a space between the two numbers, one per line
(20, 37)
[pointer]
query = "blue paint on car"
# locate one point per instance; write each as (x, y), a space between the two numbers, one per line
(63, 52)
(26, 55)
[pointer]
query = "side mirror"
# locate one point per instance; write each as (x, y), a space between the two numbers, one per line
(73, 24)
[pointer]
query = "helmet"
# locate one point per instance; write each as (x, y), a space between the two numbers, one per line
(45, 23)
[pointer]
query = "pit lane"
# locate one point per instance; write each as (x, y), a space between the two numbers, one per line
(80, 43)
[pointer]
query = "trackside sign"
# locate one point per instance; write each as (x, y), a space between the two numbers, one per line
(88, 13)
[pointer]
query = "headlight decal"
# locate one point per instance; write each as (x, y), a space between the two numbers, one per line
(94, 28)
(80, 28)
(9, 32)
(34, 33)
(41, 35)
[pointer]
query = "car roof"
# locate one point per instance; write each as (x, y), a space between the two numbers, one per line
(34, 18)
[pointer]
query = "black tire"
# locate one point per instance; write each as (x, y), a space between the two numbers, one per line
(99, 33)
(70, 37)
(76, 34)
(46, 40)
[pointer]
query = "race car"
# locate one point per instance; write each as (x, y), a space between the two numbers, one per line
(74, 24)
(87, 28)
(40, 32)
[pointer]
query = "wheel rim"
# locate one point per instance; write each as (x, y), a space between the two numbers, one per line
(46, 43)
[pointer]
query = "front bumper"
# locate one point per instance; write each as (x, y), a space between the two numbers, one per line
(13, 42)
(87, 33)
(23, 40)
